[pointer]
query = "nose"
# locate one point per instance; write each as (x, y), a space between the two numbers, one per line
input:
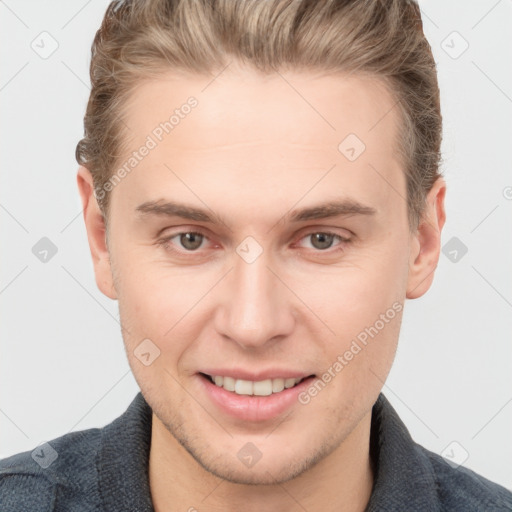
(256, 307)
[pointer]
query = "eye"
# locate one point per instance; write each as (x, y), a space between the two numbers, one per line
(322, 240)
(190, 241)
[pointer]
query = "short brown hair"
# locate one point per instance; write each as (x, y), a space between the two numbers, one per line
(382, 38)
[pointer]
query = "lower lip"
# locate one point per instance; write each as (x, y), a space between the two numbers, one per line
(250, 407)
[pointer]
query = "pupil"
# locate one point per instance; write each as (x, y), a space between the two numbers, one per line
(324, 239)
(191, 240)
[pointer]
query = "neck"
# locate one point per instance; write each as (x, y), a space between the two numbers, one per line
(342, 481)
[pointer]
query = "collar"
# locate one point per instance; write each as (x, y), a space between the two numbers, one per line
(403, 474)
(123, 461)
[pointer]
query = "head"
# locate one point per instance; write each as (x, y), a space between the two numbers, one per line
(261, 192)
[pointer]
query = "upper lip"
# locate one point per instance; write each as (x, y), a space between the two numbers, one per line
(256, 376)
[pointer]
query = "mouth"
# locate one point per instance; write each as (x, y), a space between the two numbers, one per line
(253, 395)
(265, 387)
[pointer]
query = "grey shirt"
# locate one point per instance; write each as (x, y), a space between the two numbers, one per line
(106, 469)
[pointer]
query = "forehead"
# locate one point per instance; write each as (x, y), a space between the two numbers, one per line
(236, 105)
(281, 131)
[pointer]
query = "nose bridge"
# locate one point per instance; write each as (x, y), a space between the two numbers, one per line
(255, 307)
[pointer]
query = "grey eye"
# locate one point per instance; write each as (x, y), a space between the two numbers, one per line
(191, 241)
(322, 240)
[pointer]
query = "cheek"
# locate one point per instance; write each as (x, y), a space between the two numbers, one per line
(357, 366)
(164, 304)
(148, 301)
(357, 296)
(364, 308)
(154, 314)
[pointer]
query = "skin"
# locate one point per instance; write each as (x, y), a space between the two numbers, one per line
(253, 151)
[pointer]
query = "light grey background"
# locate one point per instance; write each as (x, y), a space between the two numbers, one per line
(63, 365)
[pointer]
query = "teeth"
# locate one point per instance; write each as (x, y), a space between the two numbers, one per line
(288, 383)
(262, 388)
(229, 383)
(249, 387)
(277, 385)
(243, 387)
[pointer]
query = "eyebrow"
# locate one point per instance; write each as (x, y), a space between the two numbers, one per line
(331, 209)
(346, 207)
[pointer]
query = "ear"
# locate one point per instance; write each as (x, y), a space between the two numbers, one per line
(426, 242)
(96, 233)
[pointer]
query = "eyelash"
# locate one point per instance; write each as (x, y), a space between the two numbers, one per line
(166, 242)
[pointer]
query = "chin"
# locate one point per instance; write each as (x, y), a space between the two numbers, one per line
(269, 474)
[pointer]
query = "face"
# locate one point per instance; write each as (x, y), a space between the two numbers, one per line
(254, 244)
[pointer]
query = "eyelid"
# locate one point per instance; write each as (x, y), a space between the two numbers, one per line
(182, 229)
(327, 230)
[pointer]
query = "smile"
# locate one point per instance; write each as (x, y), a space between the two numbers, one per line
(253, 400)
(258, 388)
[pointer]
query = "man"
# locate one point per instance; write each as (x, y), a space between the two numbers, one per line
(261, 194)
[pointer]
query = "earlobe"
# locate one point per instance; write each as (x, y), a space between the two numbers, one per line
(426, 243)
(96, 231)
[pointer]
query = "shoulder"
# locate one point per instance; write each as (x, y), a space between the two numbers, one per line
(65, 466)
(410, 477)
(460, 488)
(96, 469)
